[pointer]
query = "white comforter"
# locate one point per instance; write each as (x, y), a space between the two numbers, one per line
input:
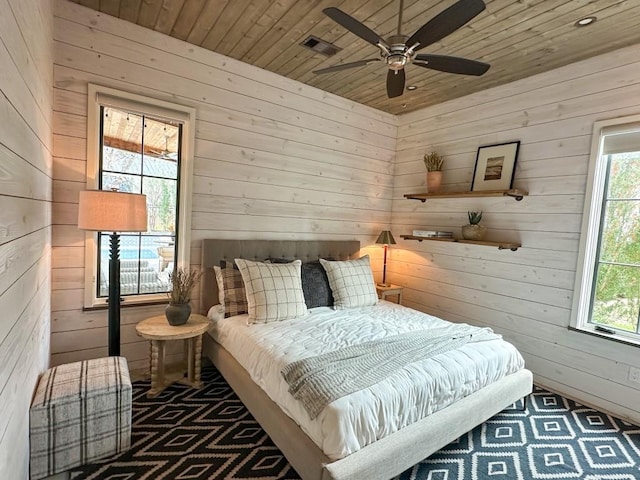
(351, 422)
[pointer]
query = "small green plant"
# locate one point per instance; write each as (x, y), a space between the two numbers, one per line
(182, 283)
(433, 161)
(474, 217)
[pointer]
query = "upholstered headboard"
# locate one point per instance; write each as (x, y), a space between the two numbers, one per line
(306, 250)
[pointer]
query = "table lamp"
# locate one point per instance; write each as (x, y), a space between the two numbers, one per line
(113, 211)
(387, 239)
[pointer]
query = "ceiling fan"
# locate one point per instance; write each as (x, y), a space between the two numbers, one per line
(399, 50)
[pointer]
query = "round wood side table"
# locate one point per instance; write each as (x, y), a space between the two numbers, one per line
(157, 330)
(387, 290)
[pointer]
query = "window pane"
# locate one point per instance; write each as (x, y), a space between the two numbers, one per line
(161, 204)
(166, 249)
(140, 260)
(121, 161)
(620, 241)
(161, 155)
(129, 248)
(617, 297)
(624, 176)
(121, 182)
(161, 148)
(122, 141)
(103, 265)
(160, 167)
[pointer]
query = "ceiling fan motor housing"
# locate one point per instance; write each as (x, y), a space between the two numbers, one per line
(398, 55)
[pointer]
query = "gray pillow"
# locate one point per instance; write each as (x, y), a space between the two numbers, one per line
(315, 286)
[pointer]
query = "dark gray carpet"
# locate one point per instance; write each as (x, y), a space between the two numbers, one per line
(187, 434)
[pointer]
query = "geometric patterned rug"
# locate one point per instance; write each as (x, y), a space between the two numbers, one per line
(554, 438)
(187, 434)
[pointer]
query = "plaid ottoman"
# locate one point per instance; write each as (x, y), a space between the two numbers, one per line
(81, 412)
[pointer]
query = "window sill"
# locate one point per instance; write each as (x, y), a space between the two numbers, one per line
(140, 303)
(618, 336)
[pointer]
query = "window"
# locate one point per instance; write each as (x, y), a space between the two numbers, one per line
(140, 145)
(608, 276)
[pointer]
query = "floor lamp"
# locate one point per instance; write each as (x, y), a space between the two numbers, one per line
(387, 239)
(113, 211)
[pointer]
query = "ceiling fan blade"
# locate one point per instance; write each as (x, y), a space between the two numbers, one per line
(395, 83)
(344, 66)
(446, 22)
(448, 64)
(354, 26)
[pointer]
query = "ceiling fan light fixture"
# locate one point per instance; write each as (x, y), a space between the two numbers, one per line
(412, 87)
(583, 22)
(396, 61)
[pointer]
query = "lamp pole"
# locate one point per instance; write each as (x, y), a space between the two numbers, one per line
(384, 267)
(385, 238)
(114, 295)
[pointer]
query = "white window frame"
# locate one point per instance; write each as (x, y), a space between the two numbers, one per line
(99, 96)
(590, 232)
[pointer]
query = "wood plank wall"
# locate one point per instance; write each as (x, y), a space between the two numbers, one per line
(26, 41)
(275, 159)
(525, 295)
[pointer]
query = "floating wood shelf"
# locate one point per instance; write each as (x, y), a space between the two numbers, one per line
(514, 192)
(501, 245)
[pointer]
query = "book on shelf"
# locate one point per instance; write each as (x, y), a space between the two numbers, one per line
(432, 233)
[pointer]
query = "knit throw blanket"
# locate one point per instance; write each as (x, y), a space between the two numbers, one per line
(318, 381)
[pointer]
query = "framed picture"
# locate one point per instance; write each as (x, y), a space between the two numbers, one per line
(495, 167)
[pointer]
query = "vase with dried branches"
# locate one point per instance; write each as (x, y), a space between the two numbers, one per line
(182, 283)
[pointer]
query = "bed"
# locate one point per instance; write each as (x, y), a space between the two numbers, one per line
(384, 458)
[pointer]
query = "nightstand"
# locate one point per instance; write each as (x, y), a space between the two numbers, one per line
(384, 292)
(158, 331)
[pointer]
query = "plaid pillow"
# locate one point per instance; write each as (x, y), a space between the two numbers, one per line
(315, 284)
(351, 282)
(274, 291)
(231, 291)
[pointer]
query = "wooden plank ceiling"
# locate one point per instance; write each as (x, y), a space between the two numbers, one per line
(519, 38)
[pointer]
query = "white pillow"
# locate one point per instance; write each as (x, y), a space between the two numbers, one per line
(216, 313)
(274, 290)
(351, 282)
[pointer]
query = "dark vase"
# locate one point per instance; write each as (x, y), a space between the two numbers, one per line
(178, 314)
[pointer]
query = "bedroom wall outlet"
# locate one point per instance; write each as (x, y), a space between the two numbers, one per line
(634, 374)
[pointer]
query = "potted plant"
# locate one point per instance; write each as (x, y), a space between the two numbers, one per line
(433, 161)
(474, 231)
(182, 283)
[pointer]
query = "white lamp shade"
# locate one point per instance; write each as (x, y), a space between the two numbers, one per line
(112, 211)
